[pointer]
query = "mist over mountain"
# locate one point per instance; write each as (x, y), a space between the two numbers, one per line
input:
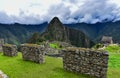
(68, 11)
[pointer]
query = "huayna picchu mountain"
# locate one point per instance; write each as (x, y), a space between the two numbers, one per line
(58, 32)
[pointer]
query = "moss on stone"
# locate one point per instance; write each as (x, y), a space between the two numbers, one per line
(30, 45)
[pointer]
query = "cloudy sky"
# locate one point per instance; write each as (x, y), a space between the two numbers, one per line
(69, 11)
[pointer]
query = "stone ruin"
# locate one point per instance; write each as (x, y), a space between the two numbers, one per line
(9, 50)
(78, 60)
(86, 61)
(33, 52)
(54, 52)
(1, 43)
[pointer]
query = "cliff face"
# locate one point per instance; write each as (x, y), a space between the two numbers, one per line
(57, 31)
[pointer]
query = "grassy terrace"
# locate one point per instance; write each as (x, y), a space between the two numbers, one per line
(15, 67)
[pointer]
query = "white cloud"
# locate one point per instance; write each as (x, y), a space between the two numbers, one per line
(69, 11)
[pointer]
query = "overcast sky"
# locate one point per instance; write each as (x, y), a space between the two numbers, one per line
(69, 11)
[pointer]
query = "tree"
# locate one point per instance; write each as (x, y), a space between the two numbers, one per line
(35, 38)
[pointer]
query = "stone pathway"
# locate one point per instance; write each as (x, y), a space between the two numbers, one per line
(2, 75)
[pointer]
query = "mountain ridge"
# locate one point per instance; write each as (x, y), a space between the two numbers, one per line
(19, 33)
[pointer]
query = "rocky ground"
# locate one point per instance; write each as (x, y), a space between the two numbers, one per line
(2, 75)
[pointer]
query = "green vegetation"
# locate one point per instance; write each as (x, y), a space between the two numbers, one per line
(114, 61)
(114, 66)
(15, 67)
(54, 45)
(98, 46)
(34, 39)
(113, 48)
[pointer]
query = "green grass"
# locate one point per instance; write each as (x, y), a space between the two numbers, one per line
(114, 61)
(113, 49)
(15, 67)
(114, 66)
(54, 45)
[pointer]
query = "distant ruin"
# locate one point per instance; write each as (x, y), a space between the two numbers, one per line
(106, 40)
(56, 51)
(86, 61)
(33, 52)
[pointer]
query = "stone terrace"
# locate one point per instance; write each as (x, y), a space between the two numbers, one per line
(86, 61)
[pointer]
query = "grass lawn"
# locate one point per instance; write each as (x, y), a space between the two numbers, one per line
(54, 45)
(114, 66)
(15, 67)
(114, 61)
(113, 49)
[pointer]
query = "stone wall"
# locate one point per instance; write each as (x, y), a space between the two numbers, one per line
(9, 50)
(86, 61)
(1, 43)
(55, 52)
(33, 52)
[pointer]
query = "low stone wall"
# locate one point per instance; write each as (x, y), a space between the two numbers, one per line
(33, 52)
(86, 61)
(9, 50)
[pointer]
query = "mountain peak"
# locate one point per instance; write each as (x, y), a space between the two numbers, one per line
(55, 24)
(55, 20)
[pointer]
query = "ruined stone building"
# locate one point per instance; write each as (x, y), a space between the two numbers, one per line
(106, 40)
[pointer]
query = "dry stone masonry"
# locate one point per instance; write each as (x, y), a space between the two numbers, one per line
(86, 61)
(33, 52)
(9, 50)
